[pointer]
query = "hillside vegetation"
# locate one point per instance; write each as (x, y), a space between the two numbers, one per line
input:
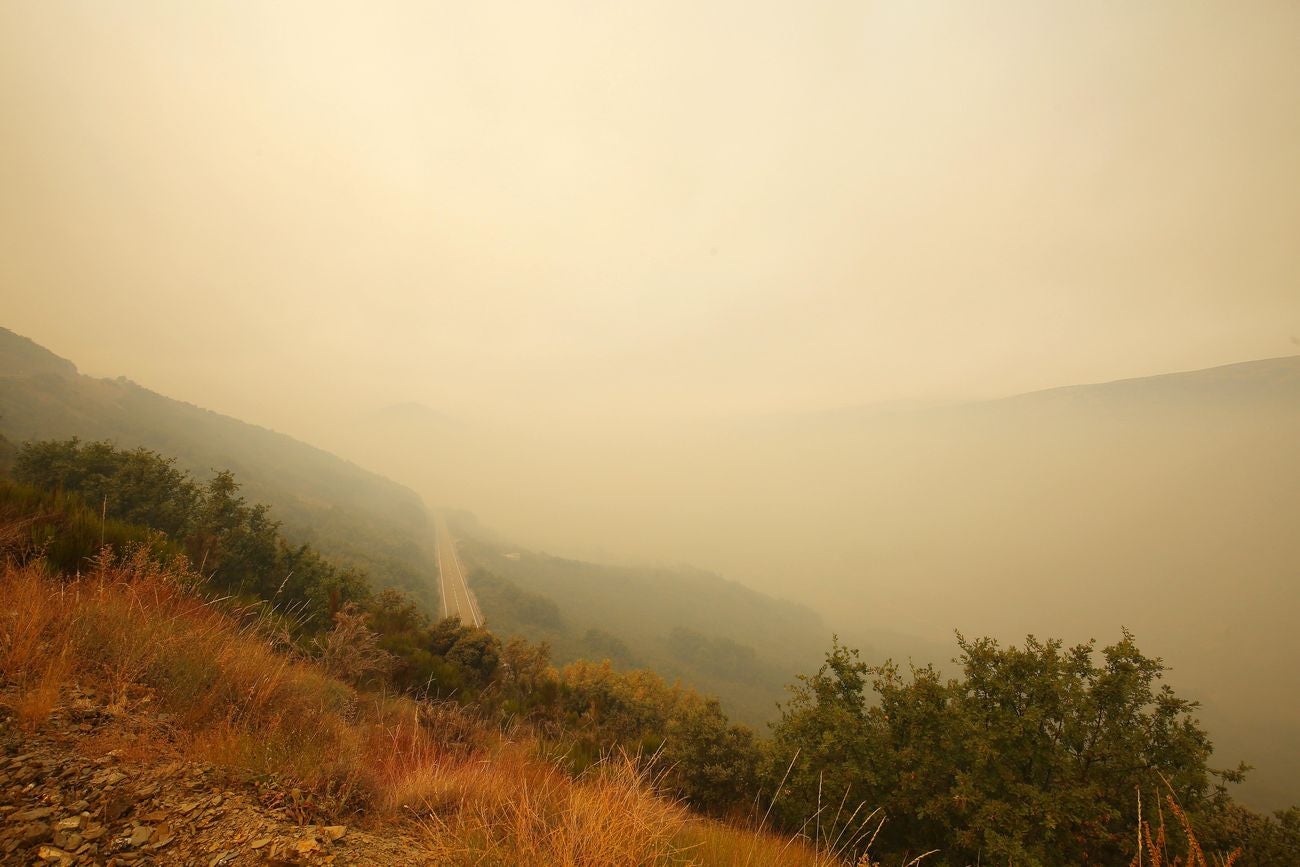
(716, 635)
(358, 518)
(460, 791)
(1032, 752)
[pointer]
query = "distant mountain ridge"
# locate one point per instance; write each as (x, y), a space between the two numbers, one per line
(21, 356)
(1240, 382)
(351, 514)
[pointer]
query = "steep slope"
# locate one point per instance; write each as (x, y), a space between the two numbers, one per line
(354, 516)
(141, 723)
(712, 634)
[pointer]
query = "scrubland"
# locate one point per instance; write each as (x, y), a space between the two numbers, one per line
(228, 692)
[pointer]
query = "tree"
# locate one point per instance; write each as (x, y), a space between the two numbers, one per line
(709, 762)
(138, 486)
(236, 544)
(528, 683)
(826, 744)
(1034, 755)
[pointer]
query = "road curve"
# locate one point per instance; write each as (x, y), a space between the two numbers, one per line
(457, 599)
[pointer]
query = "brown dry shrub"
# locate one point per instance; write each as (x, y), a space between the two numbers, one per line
(350, 651)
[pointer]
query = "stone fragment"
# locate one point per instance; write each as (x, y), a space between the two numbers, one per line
(259, 842)
(118, 806)
(335, 832)
(67, 840)
(33, 833)
(140, 836)
(31, 815)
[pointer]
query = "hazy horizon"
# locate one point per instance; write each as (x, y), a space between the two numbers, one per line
(662, 212)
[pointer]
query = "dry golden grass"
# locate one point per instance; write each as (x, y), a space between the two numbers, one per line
(719, 843)
(40, 693)
(134, 632)
(1153, 849)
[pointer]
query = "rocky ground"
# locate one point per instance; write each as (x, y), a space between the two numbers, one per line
(61, 802)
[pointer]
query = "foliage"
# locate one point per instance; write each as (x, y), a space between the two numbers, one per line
(718, 655)
(1031, 756)
(353, 517)
(8, 453)
(67, 533)
(602, 644)
(513, 606)
(138, 486)
(235, 544)
(528, 685)
(716, 635)
(1264, 840)
(706, 759)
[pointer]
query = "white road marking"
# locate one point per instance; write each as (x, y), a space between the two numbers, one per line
(452, 573)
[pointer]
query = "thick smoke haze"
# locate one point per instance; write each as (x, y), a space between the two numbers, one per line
(728, 283)
(581, 211)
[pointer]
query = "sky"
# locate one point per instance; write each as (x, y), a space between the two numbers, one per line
(575, 210)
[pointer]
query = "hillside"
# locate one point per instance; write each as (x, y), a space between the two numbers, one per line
(354, 516)
(141, 723)
(712, 634)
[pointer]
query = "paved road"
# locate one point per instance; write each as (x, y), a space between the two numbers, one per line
(457, 599)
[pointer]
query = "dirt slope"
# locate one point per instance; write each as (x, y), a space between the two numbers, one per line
(68, 797)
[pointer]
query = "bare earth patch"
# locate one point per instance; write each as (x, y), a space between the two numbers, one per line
(60, 805)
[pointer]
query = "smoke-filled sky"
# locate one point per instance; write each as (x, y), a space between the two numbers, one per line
(571, 209)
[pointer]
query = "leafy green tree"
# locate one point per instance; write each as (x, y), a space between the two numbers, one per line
(600, 644)
(702, 756)
(403, 631)
(477, 653)
(826, 746)
(529, 686)
(1034, 755)
(234, 543)
(138, 486)
(710, 762)
(1265, 841)
(313, 584)
(525, 666)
